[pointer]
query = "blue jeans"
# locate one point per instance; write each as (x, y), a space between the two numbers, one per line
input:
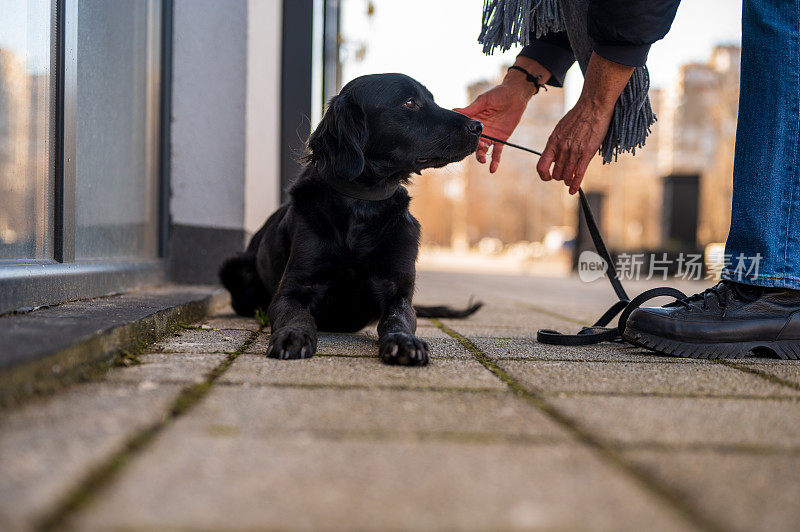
(764, 241)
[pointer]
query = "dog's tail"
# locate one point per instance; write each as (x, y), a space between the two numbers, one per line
(447, 312)
(238, 274)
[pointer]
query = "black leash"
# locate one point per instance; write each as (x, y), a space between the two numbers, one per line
(599, 332)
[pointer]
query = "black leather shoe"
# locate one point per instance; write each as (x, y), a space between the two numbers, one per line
(728, 320)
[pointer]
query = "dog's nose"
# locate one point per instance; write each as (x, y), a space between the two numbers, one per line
(474, 127)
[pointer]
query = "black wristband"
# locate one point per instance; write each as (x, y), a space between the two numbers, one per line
(530, 77)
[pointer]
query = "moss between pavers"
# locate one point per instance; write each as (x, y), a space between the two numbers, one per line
(742, 449)
(441, 372)
(760, 373)
(637, 378)
(667, 494)
(262, 317)
(743, 492)
(668, 395)
(126, 359)
(390, 387)
(104, 473)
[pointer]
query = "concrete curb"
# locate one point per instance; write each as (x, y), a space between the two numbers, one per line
(87, 355)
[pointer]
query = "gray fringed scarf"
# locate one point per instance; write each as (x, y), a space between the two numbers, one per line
(508, 22)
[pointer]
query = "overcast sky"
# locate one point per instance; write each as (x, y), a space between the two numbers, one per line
(435, 41)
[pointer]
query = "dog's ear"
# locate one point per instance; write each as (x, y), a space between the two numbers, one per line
(337, 144)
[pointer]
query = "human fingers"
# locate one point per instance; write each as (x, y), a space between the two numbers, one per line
(580, 171)
(481, 150)
(543, 166)
(473, 109)
(571, 158)
(497, 151)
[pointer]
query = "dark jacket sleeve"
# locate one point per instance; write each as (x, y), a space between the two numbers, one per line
(553, 52)
(623, 30)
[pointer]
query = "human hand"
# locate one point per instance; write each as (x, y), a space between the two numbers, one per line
(574, 142)
(578, 136)
(501, 108)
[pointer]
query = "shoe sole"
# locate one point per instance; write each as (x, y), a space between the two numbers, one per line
(784, 349)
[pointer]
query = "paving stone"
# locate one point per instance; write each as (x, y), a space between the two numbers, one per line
(494, 320)
(742, 492)
(501, 315)
(528, 347)
(347, 344)
(229, 321)
(259, 345)
(358, 371)
(363, 345)
(642, 378)
(203, 341)
(237, 482)
(788, 370)
(605, 352)
(488, 331)
(50, 444)
(168, 367)
(680, 421)
(428, 332)
(264, 411)
(356, 344)
(447, 348)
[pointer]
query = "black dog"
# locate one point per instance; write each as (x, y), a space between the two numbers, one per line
(341, 253)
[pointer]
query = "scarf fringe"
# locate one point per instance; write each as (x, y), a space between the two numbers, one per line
(506, 23)
(632, 120)
(509, 22)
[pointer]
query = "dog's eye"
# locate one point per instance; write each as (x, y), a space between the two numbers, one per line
(411, 103)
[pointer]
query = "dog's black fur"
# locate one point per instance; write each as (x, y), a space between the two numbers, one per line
(329, 261)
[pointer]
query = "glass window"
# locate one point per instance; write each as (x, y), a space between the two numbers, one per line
(26, 189)
(116, 188)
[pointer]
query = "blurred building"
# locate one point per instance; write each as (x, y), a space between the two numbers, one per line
(673, 195)
(22, 122)
(627, 195)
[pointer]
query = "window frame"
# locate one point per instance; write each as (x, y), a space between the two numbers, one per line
(26, 284)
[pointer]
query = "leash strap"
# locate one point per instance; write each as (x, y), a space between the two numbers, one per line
(599, 332)
(600, 246)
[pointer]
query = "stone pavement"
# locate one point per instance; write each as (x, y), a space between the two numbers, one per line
(202, 431)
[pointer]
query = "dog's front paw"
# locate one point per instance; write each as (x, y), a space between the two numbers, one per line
(292, 343)
(404, 350)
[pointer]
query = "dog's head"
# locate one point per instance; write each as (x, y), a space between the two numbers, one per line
(385, 125)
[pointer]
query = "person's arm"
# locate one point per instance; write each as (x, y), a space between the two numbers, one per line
(578, 135)
(500, 109)
(621, 32)
(554, 53)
